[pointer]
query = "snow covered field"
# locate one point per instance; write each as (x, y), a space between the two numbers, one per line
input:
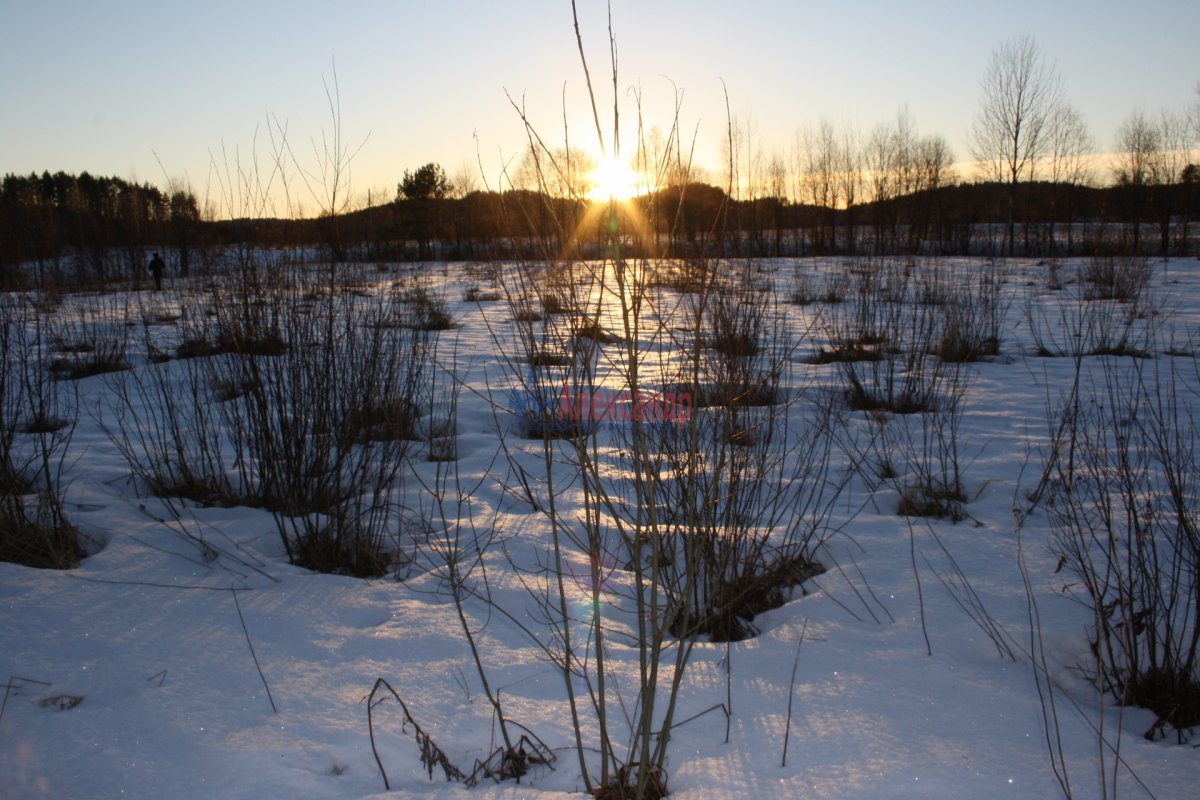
(202, 664)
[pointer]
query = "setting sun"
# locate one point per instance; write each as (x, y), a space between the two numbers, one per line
(612, 179)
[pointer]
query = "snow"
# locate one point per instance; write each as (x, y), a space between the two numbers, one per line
(147, 631)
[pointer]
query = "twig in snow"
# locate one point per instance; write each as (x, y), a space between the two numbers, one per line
(461, 679)
(431, 754)
(699, 714)
(965, 596)
(11, 686)
(912, 554)
(787, 732)
(728, 688)
(253, 655)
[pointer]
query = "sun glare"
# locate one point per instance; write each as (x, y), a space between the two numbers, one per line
(613, 180)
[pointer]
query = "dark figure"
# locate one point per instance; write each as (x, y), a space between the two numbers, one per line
(157, 267)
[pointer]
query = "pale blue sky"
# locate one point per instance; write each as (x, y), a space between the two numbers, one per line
(106, 86)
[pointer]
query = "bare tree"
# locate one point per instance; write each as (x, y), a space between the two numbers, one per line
(1167, 170)
(933, 162)
(850, 179)
(896, 162)
(879, 161)
(1138, 142)
(465, 180)
(748, 180)
(817, 156)
(1021, 91)
(777, 189)
(1070, 163)
(565, 172)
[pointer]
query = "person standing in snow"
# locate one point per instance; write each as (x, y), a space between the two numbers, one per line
(157, 267)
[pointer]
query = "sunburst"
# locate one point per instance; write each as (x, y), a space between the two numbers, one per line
(612, 179)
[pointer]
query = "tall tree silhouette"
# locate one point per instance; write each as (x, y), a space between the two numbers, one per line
(1021, 92)
(424, 190)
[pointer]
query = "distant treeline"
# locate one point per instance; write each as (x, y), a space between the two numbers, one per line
(103, 222)
(108, 225)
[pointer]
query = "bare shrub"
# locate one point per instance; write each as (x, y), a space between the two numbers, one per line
(747, 512)
(245, 316)
(682, 275)
(1116, 277)
(884, 337)
(920, 455)
(661, 525)
(804, 289)
(477, 294)
(326, 422)
(167, 426)
(165, 416)
(1073, 323)
(960, 338)
(1122, 498)
(426, 310)
(37, 423)
(836, 287)
(973, 316)
(91, 337)
(734, 326)
(902, 345)
(713, 515)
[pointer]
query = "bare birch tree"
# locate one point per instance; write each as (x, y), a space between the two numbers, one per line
(1070, 155)
(1173, 158)
(1021, 90)
(817, 163)
(1137, 142)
